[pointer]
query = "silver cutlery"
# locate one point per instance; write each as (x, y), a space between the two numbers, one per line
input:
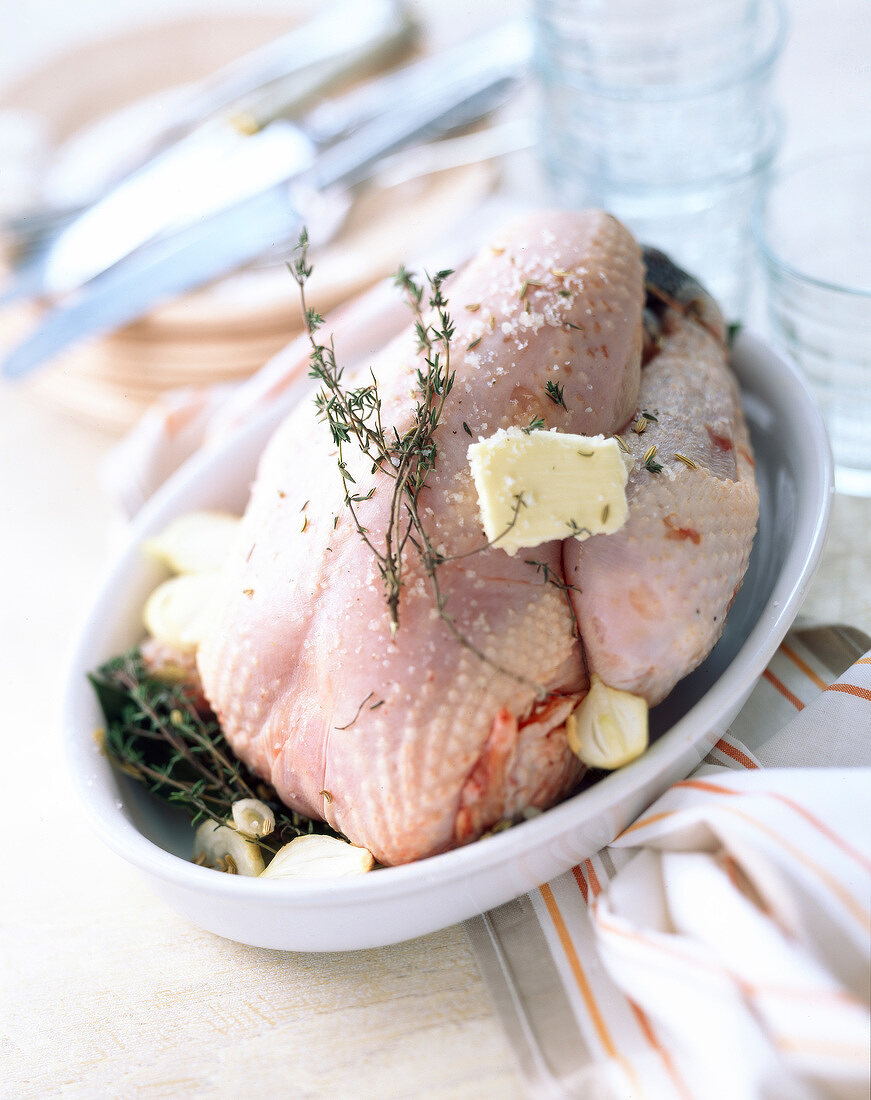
(350, 39)
(440, 94)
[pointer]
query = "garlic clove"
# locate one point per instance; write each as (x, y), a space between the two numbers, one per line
(178, 611)
(318, 856)
(253, 818)
(224, 849)
(196, 542)
(609, 728)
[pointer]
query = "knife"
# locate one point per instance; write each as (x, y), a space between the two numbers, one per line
(472, 79)
(306, 60)
(217, 164)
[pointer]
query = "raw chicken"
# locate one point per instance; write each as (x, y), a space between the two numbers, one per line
(410, 746)
(414, 744)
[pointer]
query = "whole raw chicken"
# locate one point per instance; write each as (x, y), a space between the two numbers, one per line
(414, 743)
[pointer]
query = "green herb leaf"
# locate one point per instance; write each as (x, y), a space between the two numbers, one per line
(556, 393)
(162, 734)
(535, 425)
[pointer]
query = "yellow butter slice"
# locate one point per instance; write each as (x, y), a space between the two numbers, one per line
(537, 486)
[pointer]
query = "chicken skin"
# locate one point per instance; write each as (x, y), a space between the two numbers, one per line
(413, 741)
(412, 744)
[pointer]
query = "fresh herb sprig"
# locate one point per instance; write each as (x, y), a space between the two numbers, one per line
(159, 733)
(550, 576)
(354, 416)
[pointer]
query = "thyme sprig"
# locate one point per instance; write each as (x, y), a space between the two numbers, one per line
(576, 529)
(159, 733)
(550, 576)
(354, 416)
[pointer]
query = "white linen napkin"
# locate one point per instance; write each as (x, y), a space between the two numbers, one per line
(721, 947)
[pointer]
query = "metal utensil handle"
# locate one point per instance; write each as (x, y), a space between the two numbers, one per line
(343, 27)
(291, 95)
(508, 47)
(425, 97)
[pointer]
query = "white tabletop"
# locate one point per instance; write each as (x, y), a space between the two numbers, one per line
(105, 991)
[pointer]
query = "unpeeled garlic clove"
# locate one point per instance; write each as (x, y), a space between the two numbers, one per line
(253, 818)
(318, 856)
(177, 613)
(609, 728)
(224, 849)
(196, 542)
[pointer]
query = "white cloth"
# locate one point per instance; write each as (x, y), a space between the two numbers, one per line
(756, 961)
(720, 949)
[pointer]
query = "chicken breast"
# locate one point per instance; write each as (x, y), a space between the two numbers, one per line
(413, 743)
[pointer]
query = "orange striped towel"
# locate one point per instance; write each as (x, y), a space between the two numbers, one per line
(721, 947)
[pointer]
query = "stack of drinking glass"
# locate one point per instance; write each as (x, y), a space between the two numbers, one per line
(661, 112)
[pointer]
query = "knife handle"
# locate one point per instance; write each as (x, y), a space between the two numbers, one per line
(291, 95)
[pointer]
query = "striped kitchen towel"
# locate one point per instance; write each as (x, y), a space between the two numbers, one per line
(720, 949)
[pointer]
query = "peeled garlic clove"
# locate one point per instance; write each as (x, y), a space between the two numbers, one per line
(317, 856)
(223, 848)
(609, 728)
(253, 818)
(177, 612)
(196, 542)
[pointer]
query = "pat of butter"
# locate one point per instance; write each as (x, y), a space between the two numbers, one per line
(566, 485)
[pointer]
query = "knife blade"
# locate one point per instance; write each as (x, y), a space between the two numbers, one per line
(163, 269)
(212, 169)
(305, 59)
(474, 78)
(214, 166)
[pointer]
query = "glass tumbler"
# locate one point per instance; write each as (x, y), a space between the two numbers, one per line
(814, 233)
(662, 113)
(625, 43)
